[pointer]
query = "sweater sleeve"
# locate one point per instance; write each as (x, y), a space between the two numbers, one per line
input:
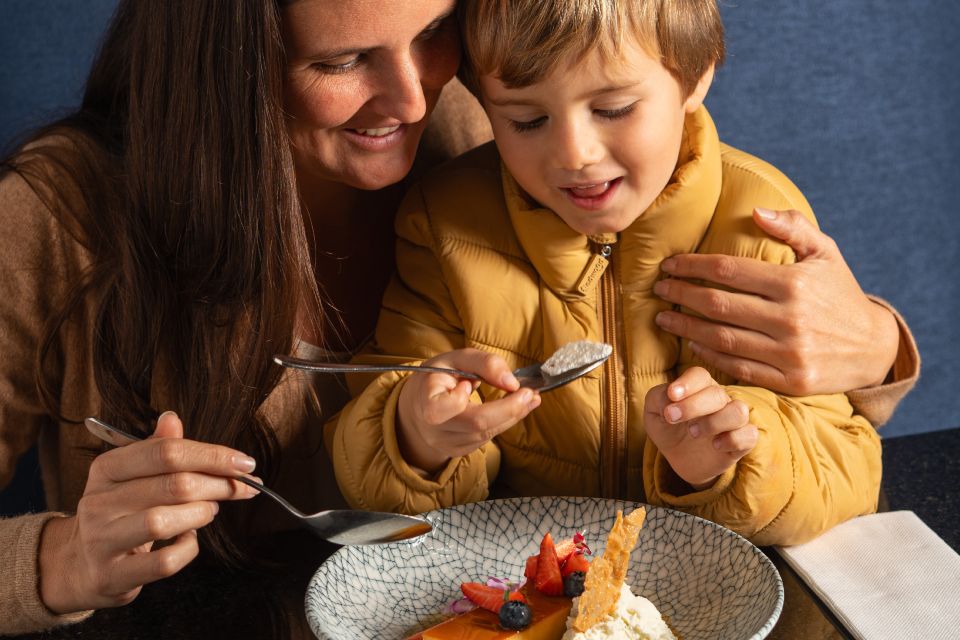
(21, 610)
(816, 464)
(33, 260)
(877, 404)
(418, 320)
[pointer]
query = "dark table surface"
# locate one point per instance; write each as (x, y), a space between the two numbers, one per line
(921, 473)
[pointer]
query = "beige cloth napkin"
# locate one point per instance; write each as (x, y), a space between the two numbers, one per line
(886, 575)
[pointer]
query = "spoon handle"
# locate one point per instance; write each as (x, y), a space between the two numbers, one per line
(340, 367)
(270, 492)
(119, 438)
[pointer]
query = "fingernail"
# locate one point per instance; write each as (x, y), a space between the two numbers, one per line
(216, 507)
(766, 214)
(662, 319)
(244, 464)
(167, 413)
(534, 402)
(694, 430)
(716, 443)
(251, 491)
(677, 392)
(661, 288)
(694, 347)
(509, 381)
(668, 265)
(526, 395)
(672, 413)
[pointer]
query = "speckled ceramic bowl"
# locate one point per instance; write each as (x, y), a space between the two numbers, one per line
(711, 582)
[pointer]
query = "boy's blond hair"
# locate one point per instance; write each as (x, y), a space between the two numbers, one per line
(523, 41)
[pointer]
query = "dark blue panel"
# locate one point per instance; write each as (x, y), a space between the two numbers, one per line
(857, 102)
(46, 47)
(25, 492)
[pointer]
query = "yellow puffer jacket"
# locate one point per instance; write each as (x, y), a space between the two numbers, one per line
(479, 265)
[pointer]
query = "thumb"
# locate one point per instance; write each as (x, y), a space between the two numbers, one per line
(795, 229)
(168, 426)
(446, 404)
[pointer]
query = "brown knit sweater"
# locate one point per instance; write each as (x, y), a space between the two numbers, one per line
(39, 261)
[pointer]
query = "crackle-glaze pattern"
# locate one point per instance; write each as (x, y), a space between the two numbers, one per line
(711, 582)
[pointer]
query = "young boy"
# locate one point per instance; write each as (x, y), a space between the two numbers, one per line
(605, 162)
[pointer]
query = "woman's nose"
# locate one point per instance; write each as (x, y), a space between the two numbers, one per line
(401, 96)
(576, 145)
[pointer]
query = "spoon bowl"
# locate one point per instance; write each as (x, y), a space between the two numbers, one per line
(530, 377)
(340, 526)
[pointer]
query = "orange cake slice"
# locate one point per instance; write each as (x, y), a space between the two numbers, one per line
(549, 622)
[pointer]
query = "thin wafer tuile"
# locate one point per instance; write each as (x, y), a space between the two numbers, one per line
(608, 572)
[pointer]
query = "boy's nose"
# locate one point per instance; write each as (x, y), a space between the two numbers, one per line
(577, 146)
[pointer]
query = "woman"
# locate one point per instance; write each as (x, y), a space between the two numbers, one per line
(223, 194)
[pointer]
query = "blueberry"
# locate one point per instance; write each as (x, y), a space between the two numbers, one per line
(573, 584)
(515, 615)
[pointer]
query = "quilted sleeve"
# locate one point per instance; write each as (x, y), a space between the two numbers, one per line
(418, 320)
(815, 465)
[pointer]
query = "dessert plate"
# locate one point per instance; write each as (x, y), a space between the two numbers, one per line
(709, 581)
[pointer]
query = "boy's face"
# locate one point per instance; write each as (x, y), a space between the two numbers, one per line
(596, 142)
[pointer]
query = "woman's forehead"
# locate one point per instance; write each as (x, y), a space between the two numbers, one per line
(313, 28)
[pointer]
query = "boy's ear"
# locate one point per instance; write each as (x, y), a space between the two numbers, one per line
(695, 99)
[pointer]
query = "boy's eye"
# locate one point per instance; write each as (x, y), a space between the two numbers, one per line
(528, 125)
(613, 114)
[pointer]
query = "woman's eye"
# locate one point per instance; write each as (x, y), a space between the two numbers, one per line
(614, 114)
(337, 65)
(431, 31)
(529, 125)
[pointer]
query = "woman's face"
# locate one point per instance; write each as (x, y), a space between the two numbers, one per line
(362, 78)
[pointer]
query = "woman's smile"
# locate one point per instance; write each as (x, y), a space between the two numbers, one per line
(378, 139)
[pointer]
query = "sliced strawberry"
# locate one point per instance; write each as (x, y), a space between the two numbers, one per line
(565, 549)
(516, 595)
(486, 597)
(548, 581)
(576, 562)
(531, 570)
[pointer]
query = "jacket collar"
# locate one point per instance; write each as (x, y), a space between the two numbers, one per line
(674, 223)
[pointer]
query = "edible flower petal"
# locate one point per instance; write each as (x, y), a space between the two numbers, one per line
(463, 605)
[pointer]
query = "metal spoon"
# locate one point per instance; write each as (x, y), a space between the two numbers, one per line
(340, 526)
(530, 377)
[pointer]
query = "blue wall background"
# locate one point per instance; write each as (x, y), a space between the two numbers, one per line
(855, 100)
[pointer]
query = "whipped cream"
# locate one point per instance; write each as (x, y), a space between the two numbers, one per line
(574, 355)
(635, 618)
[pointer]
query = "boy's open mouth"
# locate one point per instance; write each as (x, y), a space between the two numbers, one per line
(592, 196)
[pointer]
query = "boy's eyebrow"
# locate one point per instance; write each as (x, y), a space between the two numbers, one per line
(525, 102)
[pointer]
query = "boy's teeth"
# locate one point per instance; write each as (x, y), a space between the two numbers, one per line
(376, 133)
(591, 190)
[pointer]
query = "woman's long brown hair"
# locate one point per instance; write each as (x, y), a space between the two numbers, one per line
(177, 177)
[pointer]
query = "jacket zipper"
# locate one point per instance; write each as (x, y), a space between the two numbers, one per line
(613, 410)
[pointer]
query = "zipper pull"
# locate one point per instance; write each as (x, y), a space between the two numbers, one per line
(597, 264)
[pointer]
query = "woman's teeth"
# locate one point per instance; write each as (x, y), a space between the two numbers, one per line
(377, 133)
(591, 190)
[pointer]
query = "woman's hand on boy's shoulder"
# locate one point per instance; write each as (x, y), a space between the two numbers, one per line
(801, 329)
